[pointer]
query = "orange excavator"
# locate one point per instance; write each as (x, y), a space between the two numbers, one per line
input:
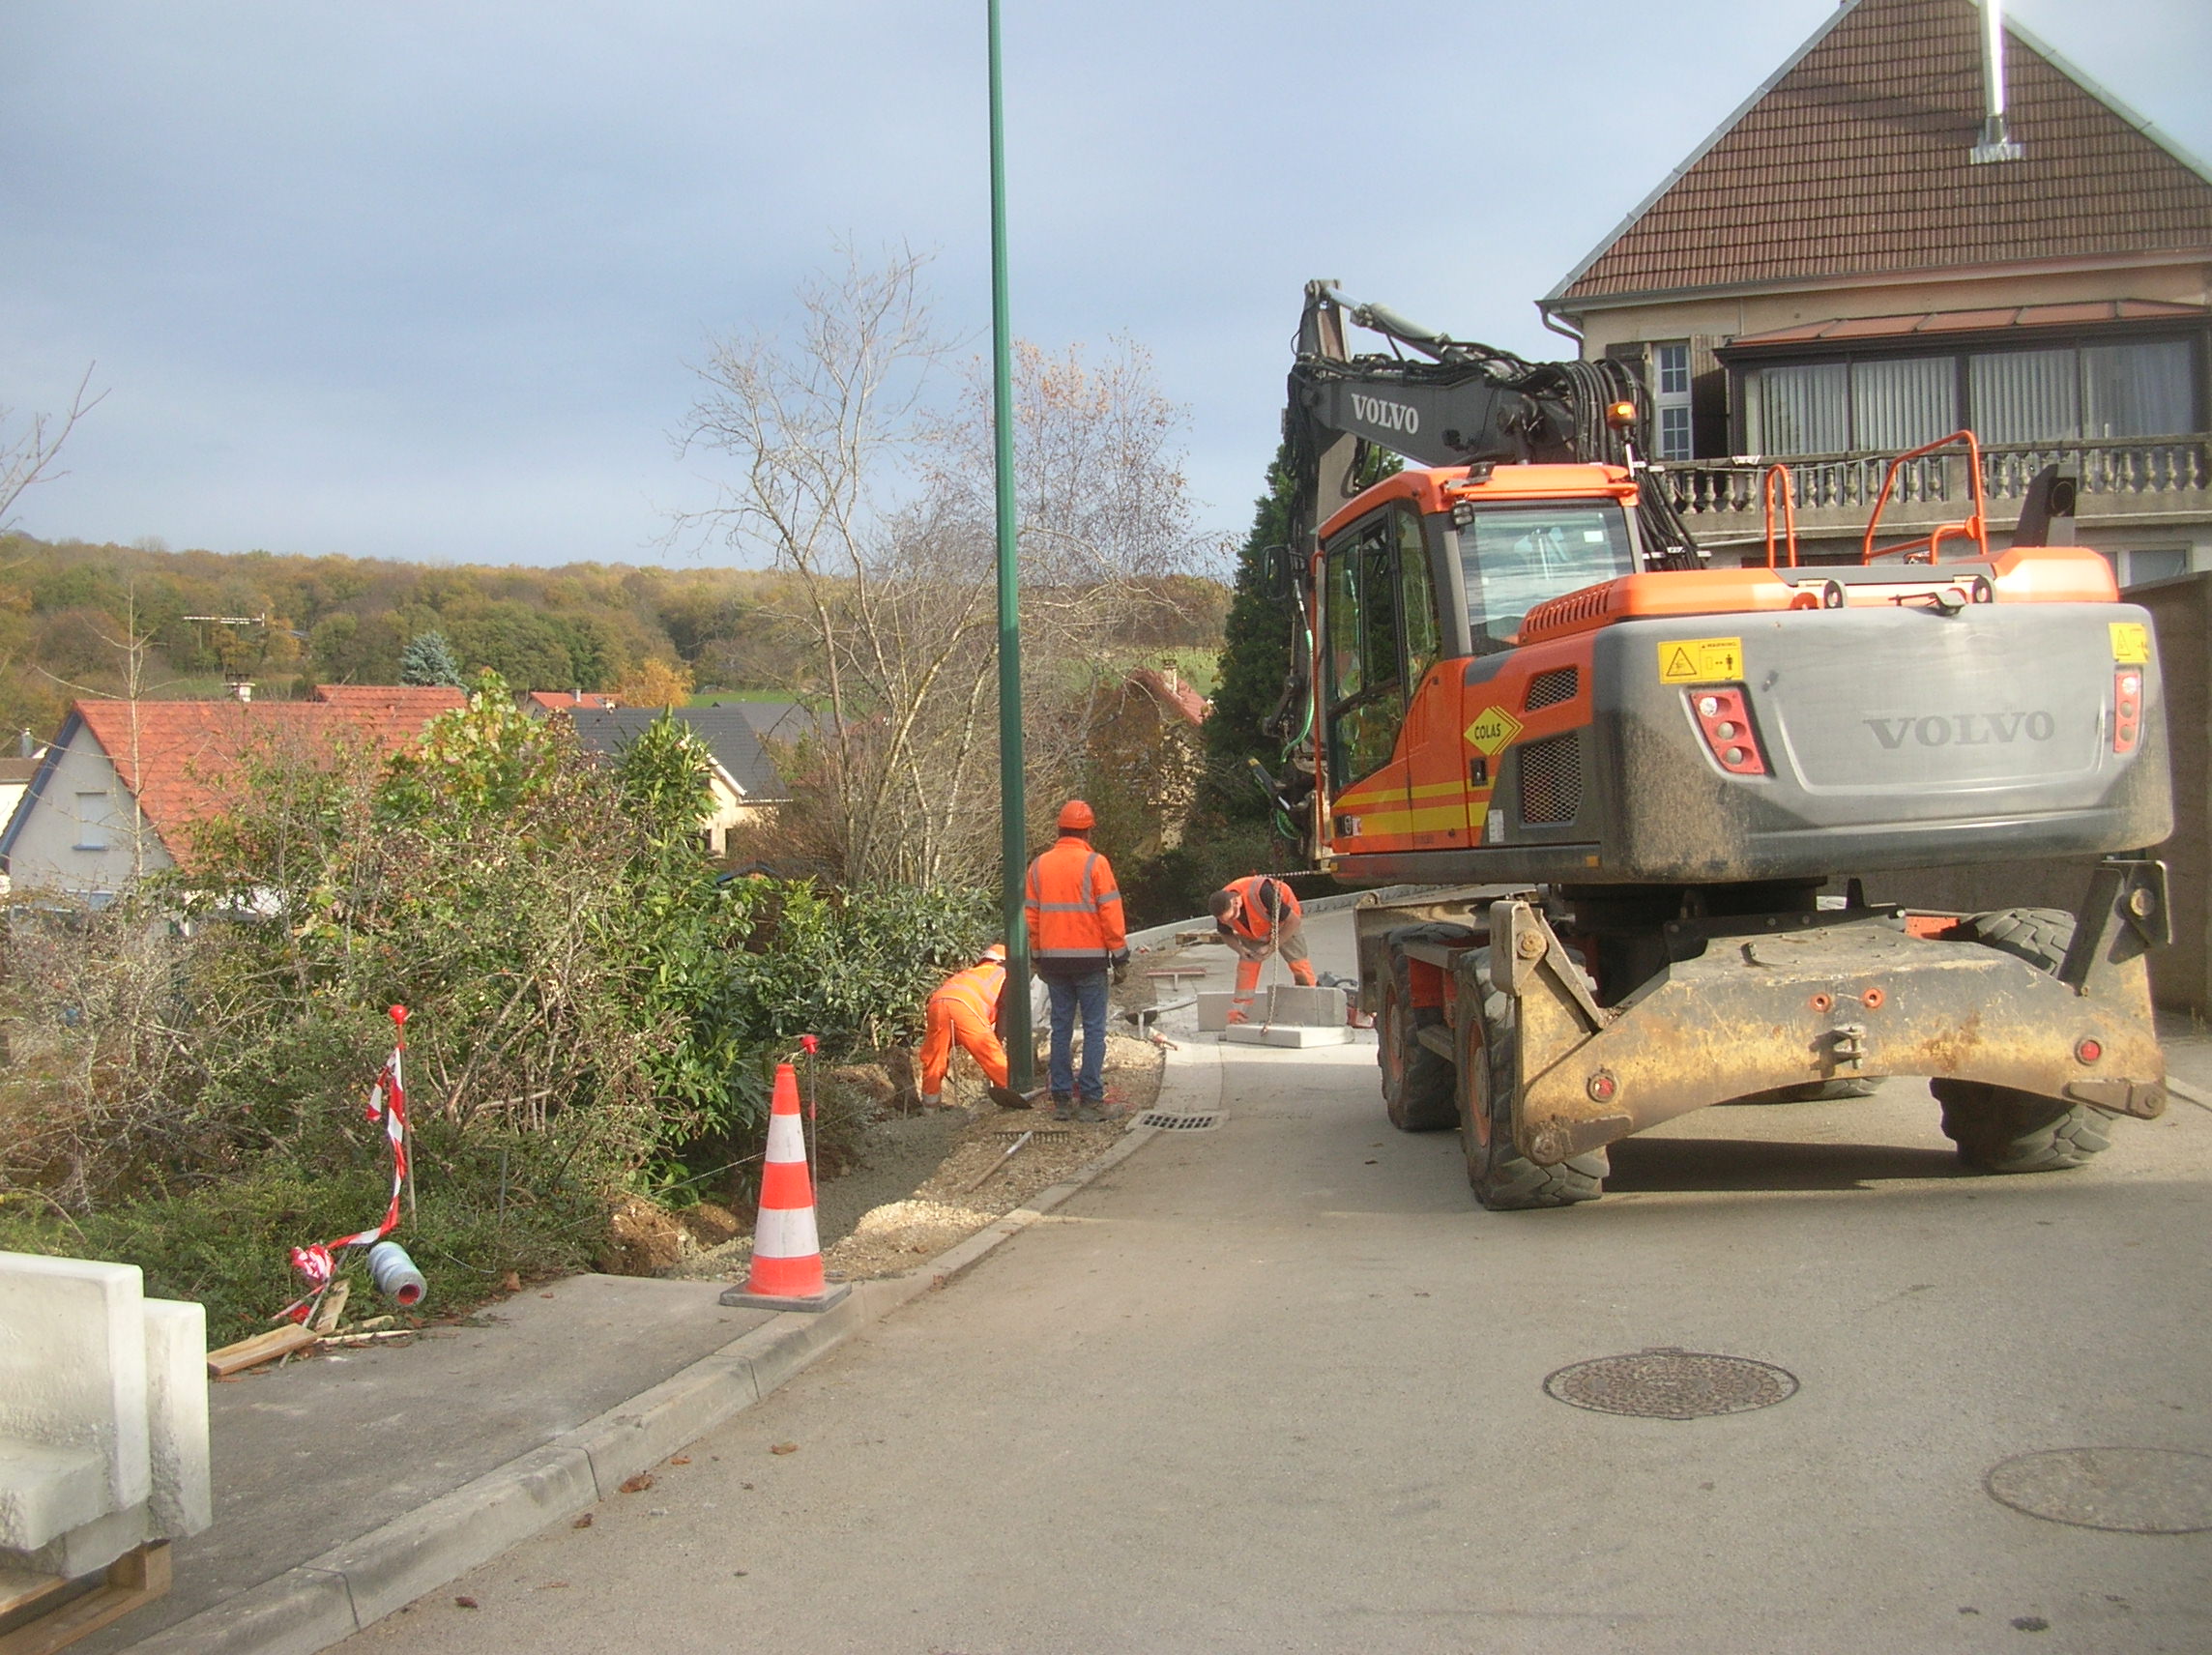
(1656, 791)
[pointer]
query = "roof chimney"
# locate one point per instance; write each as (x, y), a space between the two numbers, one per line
(1996, 143)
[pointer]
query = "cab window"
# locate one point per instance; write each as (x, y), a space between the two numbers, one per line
(1381, 634)
(1517, 556)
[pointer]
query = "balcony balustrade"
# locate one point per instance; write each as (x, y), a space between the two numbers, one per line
(2124, 482)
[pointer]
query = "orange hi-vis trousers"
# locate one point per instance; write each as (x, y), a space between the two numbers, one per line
(947, 1019)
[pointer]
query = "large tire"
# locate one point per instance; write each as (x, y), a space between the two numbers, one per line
(1418, 1084)
(1503, 1179)
(2000, 1130)
(2040, 936)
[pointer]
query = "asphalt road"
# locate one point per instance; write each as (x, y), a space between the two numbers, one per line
(1279, 1387)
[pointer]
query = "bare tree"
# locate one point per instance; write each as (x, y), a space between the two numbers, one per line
(29, 449)
(853, 476)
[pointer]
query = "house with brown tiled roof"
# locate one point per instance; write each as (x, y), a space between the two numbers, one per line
(123, 781)
(1902, 233)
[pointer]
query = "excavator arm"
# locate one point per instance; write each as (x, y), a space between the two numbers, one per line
(1459, 403)
(1454, 402)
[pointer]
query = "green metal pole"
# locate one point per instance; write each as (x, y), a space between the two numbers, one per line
(1021, 1047)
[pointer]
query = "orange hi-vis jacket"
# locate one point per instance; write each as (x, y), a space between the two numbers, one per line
(1266, 902)
(1074, 908)
(976, 990)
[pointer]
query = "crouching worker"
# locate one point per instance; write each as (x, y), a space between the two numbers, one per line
(1257, 916)
(969, 1007)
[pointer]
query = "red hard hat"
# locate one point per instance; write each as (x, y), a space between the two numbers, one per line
(996, 951)
(1076, 815)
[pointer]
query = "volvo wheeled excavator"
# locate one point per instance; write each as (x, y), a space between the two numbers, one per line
(1660, 790)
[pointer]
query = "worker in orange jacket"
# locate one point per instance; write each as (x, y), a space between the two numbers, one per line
(1257, 916)
(1076, 938)
(969, 1007)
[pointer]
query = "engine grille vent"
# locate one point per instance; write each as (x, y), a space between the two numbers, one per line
(1552, 779)
(1550, 688)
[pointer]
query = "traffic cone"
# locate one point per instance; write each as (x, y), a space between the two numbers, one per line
(787, 1249)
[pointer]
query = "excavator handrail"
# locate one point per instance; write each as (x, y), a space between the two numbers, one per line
(1779, 473)
(1976, 525)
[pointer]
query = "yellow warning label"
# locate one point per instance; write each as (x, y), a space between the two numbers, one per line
(1701, 660)
(1491, 730)
(2131, 642)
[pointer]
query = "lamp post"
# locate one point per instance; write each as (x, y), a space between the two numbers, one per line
(1021, 1047)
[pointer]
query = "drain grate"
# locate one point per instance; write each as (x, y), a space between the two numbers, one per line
(1168, 1121)
(1666, 1383)
(2132, 1491)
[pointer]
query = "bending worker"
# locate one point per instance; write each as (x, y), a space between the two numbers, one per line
(969, 1007)
(1257, 916)
(1076, 936)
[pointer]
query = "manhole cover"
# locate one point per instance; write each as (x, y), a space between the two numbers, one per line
(1171, 1122)
(2137, 1491)
(1672, 1384)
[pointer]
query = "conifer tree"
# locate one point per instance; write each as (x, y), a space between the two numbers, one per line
(429, 659)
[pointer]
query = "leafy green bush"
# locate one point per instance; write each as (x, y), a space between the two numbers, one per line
(592, 1012)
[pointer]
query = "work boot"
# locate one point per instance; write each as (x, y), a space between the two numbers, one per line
(1063, 1107)
(1094, 1108)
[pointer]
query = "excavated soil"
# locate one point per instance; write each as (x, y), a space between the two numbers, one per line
(928, 1182)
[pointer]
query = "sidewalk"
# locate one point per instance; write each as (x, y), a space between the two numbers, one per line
(350, 1485)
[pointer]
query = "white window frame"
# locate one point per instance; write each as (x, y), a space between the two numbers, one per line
(1673, 434)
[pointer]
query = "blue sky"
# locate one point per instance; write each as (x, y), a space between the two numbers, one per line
(422, 280)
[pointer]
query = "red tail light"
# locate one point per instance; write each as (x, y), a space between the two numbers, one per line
(2127, 708)
(1725, 717)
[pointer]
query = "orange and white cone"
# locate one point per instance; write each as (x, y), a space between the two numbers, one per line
(787, 1248)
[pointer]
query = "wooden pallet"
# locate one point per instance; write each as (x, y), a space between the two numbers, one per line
(44, 1612)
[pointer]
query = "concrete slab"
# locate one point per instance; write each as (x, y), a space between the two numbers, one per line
(1294, 1035)
(312, 1456)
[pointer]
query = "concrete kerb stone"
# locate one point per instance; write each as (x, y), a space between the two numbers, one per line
(318, 1604)
(393, 1566)
(298, 1613)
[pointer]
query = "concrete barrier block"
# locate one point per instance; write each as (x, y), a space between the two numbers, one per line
(181, 1500)
(88, 1547)
(45, 1491)
(1213, 1006)
(1313, 1007)
(72, 1370)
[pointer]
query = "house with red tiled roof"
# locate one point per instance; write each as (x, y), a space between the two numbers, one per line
(1902, 233)
(542, 701)
(121, 784)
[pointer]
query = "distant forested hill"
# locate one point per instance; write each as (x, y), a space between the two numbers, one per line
(68, 611)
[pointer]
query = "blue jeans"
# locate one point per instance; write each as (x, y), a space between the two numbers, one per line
(1087, 994)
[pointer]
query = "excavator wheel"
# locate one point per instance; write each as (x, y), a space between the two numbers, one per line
(2000, 1130)
(1418, 1084)
(1504, 1180)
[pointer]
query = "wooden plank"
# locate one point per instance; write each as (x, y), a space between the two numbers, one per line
(261, 1348)
(138, 1577)
(20, 1588)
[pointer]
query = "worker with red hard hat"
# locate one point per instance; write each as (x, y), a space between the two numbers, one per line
(968, 1007)
(1073, 909)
